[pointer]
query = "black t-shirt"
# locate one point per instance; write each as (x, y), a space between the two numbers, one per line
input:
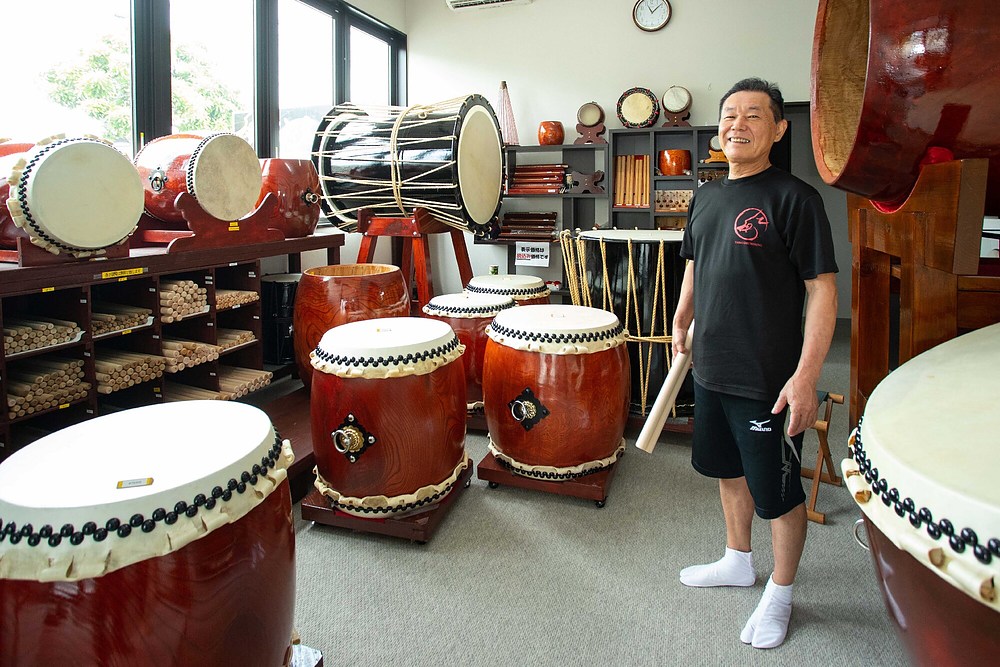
(754, 241)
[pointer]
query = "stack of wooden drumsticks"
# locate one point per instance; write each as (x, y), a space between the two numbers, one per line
(180, 298)
(21, 334)
(632, 181)
(117, 369)
(39, 384)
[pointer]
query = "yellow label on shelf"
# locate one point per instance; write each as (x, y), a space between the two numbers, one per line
(126, 332)
(64, 405)
(234, 226)
(122, 273)
(48, 289)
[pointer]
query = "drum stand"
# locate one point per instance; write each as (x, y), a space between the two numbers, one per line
(416, 257)
(927, 252)
(593, 486)
(28, 254)
(205, 231)
(417, 526)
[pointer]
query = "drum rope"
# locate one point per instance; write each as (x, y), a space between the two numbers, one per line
(572, 277)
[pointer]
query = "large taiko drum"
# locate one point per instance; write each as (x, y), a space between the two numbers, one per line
(891, 79)
(524, 289)
(636, 274)
(388, 415)
(328, 296)
(78, 195)
(295, 186)
(220, 171)
(160, 535)
(926, 484)
(556, 390)
(445, 158)
(468, 315)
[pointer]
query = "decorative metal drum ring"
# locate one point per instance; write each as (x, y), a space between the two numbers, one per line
(521, 410)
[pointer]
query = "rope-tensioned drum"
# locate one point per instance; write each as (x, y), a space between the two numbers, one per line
(445, 158)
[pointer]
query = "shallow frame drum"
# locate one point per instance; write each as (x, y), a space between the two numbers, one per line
(524, 289)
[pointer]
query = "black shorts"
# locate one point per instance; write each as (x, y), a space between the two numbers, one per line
(737, 437)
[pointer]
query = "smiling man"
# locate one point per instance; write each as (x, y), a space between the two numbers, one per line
(759, 242)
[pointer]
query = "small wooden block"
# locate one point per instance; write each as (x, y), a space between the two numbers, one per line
(418, 526)
(590, 487)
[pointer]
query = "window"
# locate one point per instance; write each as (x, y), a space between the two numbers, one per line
(212, 67)
(76, 79)
(370, 69)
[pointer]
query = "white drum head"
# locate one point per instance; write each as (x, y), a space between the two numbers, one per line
(480, 164)
(81, 194)
(468, 305)
(634, 235)
(557, 329)
(225, 176)
(386, 347)
(590, 114)
(518, 286)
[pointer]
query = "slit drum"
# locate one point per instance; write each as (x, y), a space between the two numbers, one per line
(328, 296)
(635, 274)
(221, 171)
(160, 535)
(556, 390)
(78, 196)
(468, 315)
(525, 290)
(388, 415)
(926, 486)
(446, 158)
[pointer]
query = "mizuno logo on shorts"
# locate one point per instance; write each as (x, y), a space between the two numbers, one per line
(760, 426)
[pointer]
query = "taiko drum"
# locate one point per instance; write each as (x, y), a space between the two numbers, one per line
(220, 171)
(388, 414)
(524, 289)
(160, 535)
(927, 489)
(468, 315)
(556, 389)
(295, 185)
(328, 296)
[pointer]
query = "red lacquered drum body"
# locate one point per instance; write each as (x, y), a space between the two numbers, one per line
(891, 79)
(556, 389)
(525, 290)
(212, 584)
(221, 171)
(328, 296)
(468, 315)
(295, 184)
(75, 195)
(927, 488)
(388, 414)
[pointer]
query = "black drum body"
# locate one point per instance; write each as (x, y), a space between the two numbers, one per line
(446, 158)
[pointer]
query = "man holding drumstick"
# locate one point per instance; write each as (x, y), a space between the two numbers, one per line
(759, 242)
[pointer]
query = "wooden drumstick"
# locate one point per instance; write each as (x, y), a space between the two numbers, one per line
(665, 400)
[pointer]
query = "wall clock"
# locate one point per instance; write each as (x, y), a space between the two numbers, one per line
(651, 15)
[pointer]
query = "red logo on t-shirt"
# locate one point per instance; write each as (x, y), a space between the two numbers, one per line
(749, 224)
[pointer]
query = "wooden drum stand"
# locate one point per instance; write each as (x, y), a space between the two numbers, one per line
(929, 247)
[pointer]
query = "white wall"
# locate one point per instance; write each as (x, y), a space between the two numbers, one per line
(556, 55)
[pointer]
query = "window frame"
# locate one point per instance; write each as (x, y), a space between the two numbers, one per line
(151, 75)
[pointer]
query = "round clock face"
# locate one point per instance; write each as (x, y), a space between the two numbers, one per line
(650, 15)
(676, 99)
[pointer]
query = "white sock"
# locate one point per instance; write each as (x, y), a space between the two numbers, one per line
(768, 624)
(733, 569)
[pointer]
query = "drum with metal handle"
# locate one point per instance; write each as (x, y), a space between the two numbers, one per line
(76, 195)
(295, 186)
(922, 469)
(160, 535)
(221, 171)
(328, 296)
(556, 390)
(468, 315)
(524, 289)
(636, 274)
(895, 80)
(388, 415)
(446, 158)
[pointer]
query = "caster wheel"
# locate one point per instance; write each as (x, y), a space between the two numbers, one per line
(494, 485)
(599, 503)
(468, 483)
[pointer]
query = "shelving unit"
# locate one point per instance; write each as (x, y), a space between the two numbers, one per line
(576, 211)
(68, 292)
(649, 142)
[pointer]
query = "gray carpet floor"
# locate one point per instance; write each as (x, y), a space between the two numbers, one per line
(519, 577)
